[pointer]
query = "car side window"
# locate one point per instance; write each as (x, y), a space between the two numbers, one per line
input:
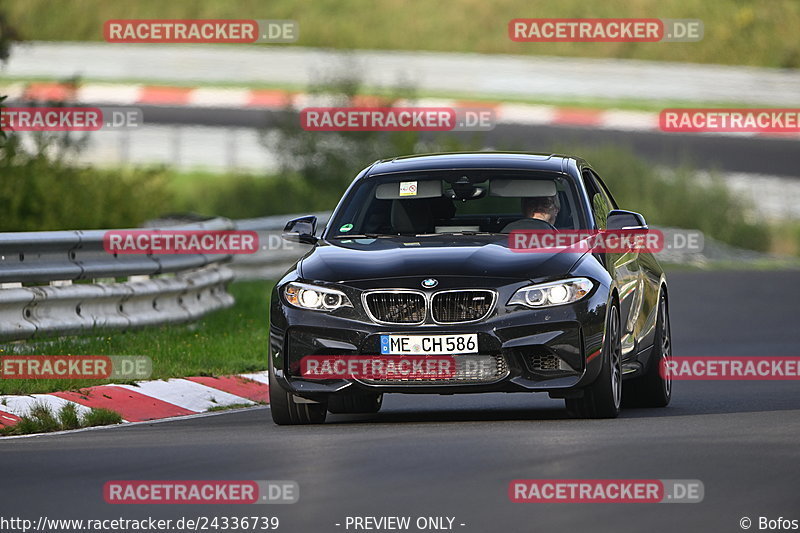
(600, 202)
(605, 192)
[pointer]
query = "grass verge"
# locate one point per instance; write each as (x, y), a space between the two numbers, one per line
(736, 32)
(228, 407)
(42, 419)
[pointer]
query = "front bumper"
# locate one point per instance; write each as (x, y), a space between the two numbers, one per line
(528, 340)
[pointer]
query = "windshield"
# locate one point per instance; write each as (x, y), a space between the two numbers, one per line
(457, 202)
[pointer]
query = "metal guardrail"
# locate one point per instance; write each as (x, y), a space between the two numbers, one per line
(47, 256)
(275, 255)
(64, 282)
(34, 312)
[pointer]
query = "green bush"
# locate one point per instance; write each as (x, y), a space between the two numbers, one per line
(247, 196)
(41, 189)
(676, 198)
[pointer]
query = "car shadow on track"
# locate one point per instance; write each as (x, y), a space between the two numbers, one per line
(690, 399)
(466, 415)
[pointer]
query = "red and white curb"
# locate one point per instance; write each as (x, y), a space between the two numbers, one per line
(276, 99)
(148, 400)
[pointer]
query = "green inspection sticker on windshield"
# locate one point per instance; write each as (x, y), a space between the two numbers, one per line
(346, 228)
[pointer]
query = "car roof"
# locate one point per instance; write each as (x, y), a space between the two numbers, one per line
(466, 160)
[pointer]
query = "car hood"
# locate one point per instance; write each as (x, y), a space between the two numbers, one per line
(356, 260)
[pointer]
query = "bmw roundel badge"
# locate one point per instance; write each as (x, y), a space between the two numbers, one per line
(429, 283)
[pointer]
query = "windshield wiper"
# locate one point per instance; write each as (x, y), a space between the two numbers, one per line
(472, 233)
(384, 235)
(362, 236)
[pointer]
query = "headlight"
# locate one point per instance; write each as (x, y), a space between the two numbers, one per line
(314, 297)
(550, 294)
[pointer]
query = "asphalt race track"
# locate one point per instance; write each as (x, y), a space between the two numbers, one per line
(455, 455)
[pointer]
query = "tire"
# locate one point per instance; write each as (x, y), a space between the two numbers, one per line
(603, 398)
(287, 412)
(355, 403)
(652, 390)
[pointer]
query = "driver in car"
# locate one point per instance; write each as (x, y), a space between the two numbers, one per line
(540, 212)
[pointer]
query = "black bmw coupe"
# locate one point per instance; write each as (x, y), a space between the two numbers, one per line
(417, 261)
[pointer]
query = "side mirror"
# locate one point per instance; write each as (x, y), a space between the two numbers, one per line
(301, 230)
(621, 219)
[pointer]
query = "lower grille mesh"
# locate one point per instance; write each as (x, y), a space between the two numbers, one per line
(544, 362)
(473, 369)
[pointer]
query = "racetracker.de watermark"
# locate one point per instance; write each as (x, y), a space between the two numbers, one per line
(180, 242)
(730, 120)
(397, 119)
(411, 367)
(605, 241)
(731, 368)
(606, 491)
(201, 492)
(605, 30)
(69, 118)
(201, 31)
(75, 367)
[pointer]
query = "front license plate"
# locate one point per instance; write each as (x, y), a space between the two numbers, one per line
(429, 344)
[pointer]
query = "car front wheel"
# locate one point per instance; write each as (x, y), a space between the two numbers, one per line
(653, 389)
(287, 411)
(602, 399)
